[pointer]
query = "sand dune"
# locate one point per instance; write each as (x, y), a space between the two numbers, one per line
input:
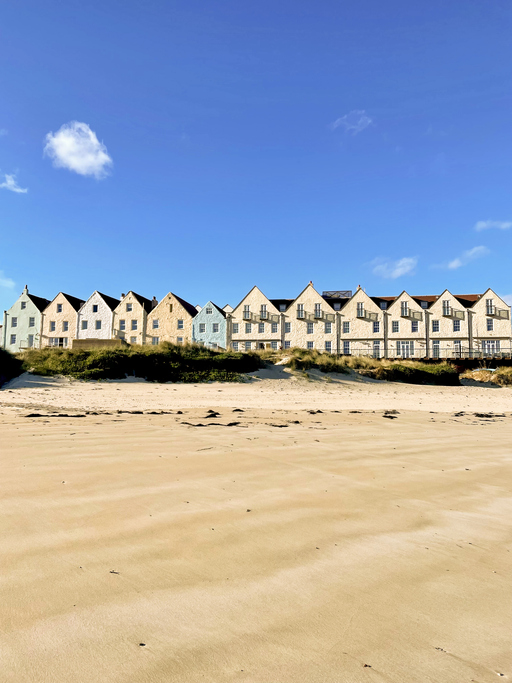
(293, 546)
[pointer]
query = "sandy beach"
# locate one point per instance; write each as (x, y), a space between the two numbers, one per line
(281, 530)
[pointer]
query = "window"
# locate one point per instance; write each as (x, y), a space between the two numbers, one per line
(282, 307)
(215, 327)
(84, 324)
(65, 326)
(273, 345)
(489, 308)
(490, 324)
(328, 346)
(209, 311)
(155, 341)
(310, 345)
(129, 307)
(383, 305)
(13, 339)
(274, 328)
(404, 309)
(59, 308)
(328, 328)
(395, 326)
(248, 328)
(202, 328)
(456, 325)
(179, 340)
(52, 326)
(261, 328)
(14, 322)
(23, 305)
(235, 328)
(287, 345)
(155, 324)
(446, 307)
(376, 327)
(180, 325)
(346, 348)
(134, 325)
(414, 326)
(31, 322)
(170, 308)
(98, 325)
(263, 312)
(424, 304)
(360, 309)
(457, 348)
(376, 349)
(31, 340)
(133, 340)
(435, 325)
(247, 346)
(247, 312)
(337, 307)
(318, 310)
(287, 328)
(346, 327)
(122, 324)
(235, 346)
(435, 349)
(310, 328)
(95, 308)
(300, 310)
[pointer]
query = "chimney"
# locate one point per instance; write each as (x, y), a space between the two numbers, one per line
(154, 302)
(123, 295)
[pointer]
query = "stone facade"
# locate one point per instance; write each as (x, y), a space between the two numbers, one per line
(209, 327)
(95, 317)
(171, 321)
(22, 322)
(256, 323)
(362, 326)
(60, 320)
(405, 327)
(490, 324)
(130, 318)
(312, 322)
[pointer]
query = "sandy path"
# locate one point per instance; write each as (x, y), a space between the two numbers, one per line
(254, 552)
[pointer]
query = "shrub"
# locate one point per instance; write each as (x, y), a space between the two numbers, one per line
(10, 366)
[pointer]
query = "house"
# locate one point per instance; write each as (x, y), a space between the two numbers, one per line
(130, 318)
(209, 327)
(406, 327)
(490, 331)
(59, 321)
(448, 325)
(171, 320)
(362, 325)
(22, 322)
(257, 322)
(95, 317)
(311, 322)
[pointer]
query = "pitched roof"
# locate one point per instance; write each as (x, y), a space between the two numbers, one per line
(277, 303)
(145, 303)
(38, 301)
(110, 301)
(467, 300)
(331, 300)
(188, 307)
(223, 313)
(76, 303)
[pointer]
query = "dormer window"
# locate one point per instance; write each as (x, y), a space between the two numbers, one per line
(424, 304)
(383, 305)
(337, 307)
(282, 307)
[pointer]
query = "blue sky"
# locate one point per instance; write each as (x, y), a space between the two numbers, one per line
(218, 145)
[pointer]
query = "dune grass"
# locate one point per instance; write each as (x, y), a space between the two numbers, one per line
(501, 376)
(10, 366)
(163, 363)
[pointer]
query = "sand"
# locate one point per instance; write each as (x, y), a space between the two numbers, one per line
(320, 547)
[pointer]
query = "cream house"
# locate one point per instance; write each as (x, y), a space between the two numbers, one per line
(130, 318)
(171, 321)
(311, 322)
(448, 326)
(490, 331)
(59, 321)
(257, 322)
(406, 327)
(361, 328)
(95, 317)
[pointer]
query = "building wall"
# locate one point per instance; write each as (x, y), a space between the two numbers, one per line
(28, 325)
(446, 335)
(104, 315)
(299, 335)
(254, 300)
(405, 333)
(501, 325)
(137, 314)
(361, 335)
(49, 315)
(209, 337)
(168, 312)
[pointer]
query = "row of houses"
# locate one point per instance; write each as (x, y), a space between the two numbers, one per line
(340, 322)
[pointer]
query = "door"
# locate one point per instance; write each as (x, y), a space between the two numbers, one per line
(490, 347)
(405, 349)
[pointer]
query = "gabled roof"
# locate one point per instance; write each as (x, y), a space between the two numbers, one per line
(217, 308)
(383, 299)
(39, 302)
(73, 300)
(467, 300)
(277, 302)
(331, 300)
(145, 303)
(188, 307)
(110, 301)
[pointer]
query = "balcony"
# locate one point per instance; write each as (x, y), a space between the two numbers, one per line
(301, 314)
(370, 316)
(410, 314)
(495, 312)
(318, 314)
(264, 315)
(247, 315)
(450, 312)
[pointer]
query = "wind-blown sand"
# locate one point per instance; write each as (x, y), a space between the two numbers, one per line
(293, 546)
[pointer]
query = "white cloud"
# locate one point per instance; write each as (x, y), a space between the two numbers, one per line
(11, 184)
(507, 298)
(6, 281)
(487, 225)
(353, 122)
(394, 269)
(468, 256)
(75, 147)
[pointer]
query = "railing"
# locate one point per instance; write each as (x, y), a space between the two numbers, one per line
(367, 315)
(301, 313)
(319, 314)
(412, 315)
(263, 315)
(494, 311)
(450, 312)
(247, 315)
